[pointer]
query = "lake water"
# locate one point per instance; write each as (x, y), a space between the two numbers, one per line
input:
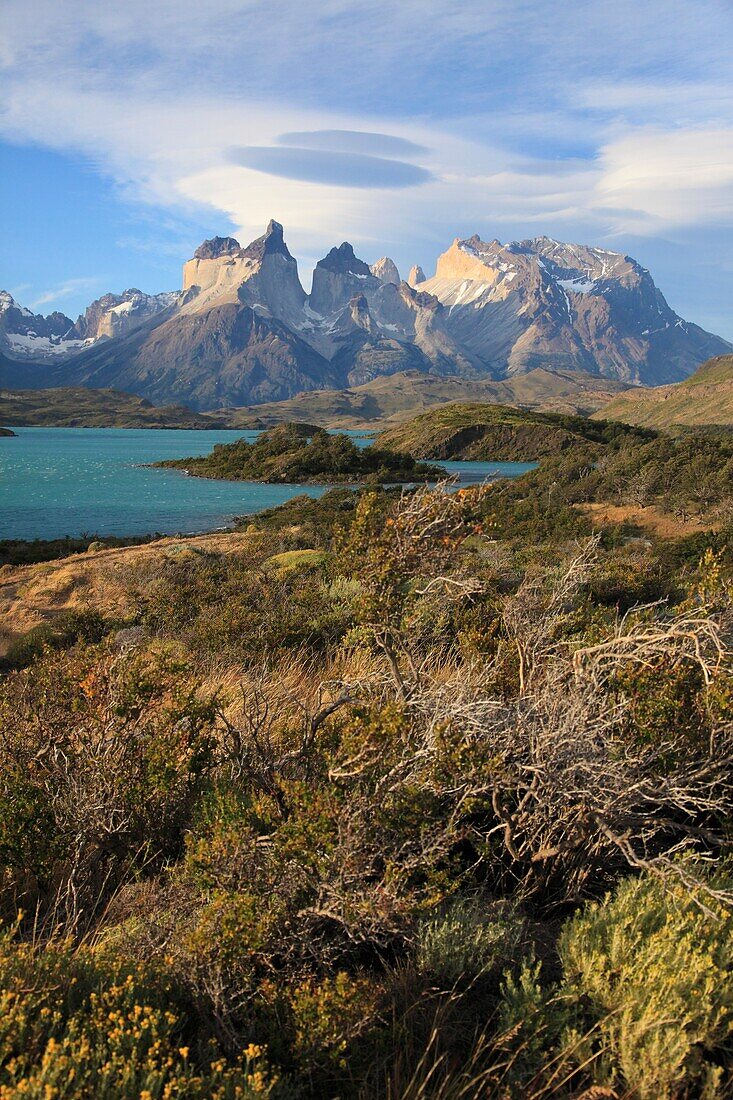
(92, 481)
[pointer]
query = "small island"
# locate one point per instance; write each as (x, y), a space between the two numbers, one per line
(305, 454)
(6, 432)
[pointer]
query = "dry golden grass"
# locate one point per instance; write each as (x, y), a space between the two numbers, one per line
(649, 518)
(34, 594)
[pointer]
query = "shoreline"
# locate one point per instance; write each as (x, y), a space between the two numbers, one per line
(347, 484)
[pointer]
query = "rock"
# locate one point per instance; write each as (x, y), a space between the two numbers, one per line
(217, 246)
(386, 271)
(542, 303)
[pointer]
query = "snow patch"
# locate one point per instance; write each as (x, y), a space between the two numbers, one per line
(31, 344)
(123, 307)
(577, 286)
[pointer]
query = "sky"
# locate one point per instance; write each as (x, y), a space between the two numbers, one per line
(130, 132)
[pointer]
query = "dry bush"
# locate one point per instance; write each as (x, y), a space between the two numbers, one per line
(102, 757)
(573, 791)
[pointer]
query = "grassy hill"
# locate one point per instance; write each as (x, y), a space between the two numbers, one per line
(706, 398)
(389, 399)
(399, 396)
(82, 408)
(483, 432)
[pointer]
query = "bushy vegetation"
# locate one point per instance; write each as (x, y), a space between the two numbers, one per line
(686, 478)
(304, 453)
(66, 629)
(30, 551)
(419, 794)
(501, 433)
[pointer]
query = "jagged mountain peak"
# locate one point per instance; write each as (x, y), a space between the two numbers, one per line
(542, 302)
(28, 335)
(386, 271)
(416, 276)
(338, 277)
(8, 302)
(264, 275)
(115, 314)
(271, 243)
(216, 247)
(244, 324)
(344, 261)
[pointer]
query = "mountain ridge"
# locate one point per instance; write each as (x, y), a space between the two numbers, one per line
(243, 330)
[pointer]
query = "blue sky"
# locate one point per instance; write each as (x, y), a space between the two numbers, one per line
(130, 132)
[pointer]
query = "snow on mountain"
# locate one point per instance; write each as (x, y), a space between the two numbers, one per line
(26, 335)
(243, 329)
(542, 302)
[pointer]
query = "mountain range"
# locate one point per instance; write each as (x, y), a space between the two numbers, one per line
(243, 331)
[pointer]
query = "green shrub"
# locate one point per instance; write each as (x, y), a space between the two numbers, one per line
(76, 1026)
(63, 631)
(468, 940)
(101, 763)
(653, 962)
(215, 605)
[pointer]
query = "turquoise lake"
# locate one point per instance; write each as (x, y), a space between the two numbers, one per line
(92, 481)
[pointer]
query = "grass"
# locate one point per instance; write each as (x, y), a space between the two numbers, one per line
(88, 408)
(704, 399)
(495, 432)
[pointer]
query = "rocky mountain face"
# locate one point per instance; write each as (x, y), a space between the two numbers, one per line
(416, 276)
(337, 278)
(26, 335)
(243, 330)
(542, 303)
(386, 271)
(117, 314)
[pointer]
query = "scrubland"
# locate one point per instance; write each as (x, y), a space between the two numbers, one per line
(403, 794)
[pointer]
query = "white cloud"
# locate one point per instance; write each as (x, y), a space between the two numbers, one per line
(595, 120)
(67, 289)
(652, 179)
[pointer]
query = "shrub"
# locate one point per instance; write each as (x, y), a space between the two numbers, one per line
(216, 606)
(468, 940)
(73, 1025)
(653, 964)
(63, 631)
(100, 767)
(334, 1019)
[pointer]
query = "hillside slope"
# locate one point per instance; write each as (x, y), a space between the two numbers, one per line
(488, 433)
(706, 398)
(84, 408)
(400, 396)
